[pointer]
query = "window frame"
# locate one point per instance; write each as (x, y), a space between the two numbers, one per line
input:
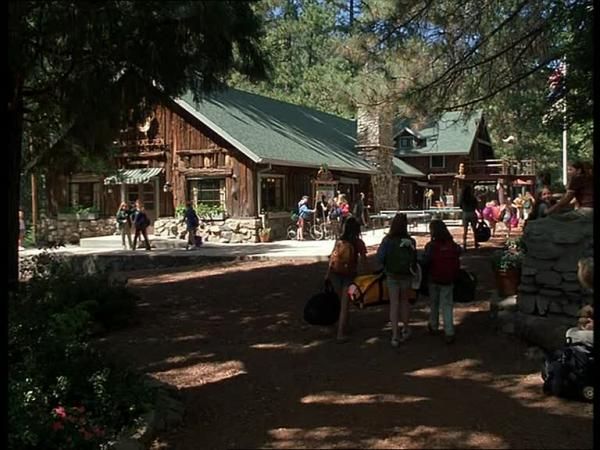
(283, 179)
(192, 183)
(405, 142)
(442, 166)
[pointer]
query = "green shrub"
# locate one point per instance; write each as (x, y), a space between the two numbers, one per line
(62, 392)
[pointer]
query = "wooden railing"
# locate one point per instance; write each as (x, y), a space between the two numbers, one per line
(501, 167)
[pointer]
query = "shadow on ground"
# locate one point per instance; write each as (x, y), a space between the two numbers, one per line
(231, 337)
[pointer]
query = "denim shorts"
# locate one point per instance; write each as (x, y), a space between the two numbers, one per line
(468, 217)
(340, 282)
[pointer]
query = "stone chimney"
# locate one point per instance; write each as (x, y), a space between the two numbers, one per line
(375, 144)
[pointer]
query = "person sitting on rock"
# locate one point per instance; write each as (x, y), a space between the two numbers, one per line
(580, 188)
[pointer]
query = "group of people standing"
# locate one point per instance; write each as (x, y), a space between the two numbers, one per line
(397, 255)
(133, 217)
(526, 207)
(334, 212)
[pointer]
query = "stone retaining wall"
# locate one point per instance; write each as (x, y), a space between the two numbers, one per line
(227, 231)
(55, 231)
(549, 282)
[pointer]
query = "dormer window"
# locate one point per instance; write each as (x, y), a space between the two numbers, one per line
(406, 142)
(437, 162)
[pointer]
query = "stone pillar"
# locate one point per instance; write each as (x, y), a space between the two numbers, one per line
(375, 144)
(549, 283)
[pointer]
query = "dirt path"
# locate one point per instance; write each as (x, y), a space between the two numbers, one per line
(253, 375)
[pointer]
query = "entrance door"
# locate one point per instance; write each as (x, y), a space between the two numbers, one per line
(145, 192)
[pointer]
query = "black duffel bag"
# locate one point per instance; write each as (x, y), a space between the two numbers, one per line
(323, 308)
(464, 287)
(482, 232)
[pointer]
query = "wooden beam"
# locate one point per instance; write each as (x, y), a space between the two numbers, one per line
(223, 171)
(142, 155)
(201, 151)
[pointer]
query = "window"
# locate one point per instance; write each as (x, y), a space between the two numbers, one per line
(406, 142)
(84, 195)
(271, 193)
(210, 191)
(437, 162)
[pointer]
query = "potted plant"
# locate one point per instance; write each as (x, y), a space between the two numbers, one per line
(506, 264)
(264, 234)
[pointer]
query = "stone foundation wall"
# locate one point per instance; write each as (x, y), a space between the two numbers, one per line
(227, 231)
(55, 231)
(549, 282)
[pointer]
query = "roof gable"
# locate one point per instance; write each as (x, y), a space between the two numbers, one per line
(271, 131)
(449, 135)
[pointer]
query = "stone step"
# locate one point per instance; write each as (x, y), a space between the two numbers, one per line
(114, 242)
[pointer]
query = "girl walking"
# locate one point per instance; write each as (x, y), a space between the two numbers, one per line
(442, 257)
(398, 255)
(349, 250)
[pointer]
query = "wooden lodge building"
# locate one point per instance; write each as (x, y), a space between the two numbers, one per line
(255, 157)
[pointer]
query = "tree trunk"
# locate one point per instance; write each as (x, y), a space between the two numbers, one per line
(15, 137)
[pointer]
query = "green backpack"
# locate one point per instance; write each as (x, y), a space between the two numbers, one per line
(400, 256)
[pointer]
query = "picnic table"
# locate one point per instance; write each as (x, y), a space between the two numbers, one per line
(416, 217)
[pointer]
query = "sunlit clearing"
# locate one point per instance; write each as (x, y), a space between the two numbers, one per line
(201, 373)
(456, 370)
(191, 337)
(436, 437)
(395, 437)
(287, 345)
(270, 346)
(336, 398)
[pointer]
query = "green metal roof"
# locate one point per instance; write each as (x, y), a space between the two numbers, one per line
(404, 169)
(271, 131)
(449, 135)
(133, 176)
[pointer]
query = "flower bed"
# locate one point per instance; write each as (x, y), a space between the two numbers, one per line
(62, 392)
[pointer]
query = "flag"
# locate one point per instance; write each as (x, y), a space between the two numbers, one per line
(557, 83)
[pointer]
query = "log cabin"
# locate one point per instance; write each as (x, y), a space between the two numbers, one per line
(252, 158)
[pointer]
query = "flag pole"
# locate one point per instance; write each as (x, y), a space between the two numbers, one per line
(564, 134)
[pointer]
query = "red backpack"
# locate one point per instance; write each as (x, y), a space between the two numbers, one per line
(445, 262)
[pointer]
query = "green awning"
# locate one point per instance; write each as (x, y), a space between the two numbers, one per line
(133, 176)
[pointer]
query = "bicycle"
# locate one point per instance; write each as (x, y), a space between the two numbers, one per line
(316, 231)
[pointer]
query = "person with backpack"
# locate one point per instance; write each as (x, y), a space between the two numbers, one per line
(190, 218)
(123, 217)
(442, 259)
(304, 213)
(398, 255)
(141, 222)
(348, 251)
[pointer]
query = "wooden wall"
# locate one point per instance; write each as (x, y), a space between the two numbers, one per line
(196, 151)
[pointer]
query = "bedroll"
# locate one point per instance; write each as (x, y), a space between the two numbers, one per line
(371, 289)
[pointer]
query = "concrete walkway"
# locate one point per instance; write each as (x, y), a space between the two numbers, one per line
(111, 245)
(286, 249)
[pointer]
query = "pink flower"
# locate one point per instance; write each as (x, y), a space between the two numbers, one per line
(57, 426)
(60, 412)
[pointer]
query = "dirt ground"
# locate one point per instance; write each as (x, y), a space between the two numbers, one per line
(252, 374)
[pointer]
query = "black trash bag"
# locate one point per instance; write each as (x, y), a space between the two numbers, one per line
(323, 308)
(465, 287)
(482, 232)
